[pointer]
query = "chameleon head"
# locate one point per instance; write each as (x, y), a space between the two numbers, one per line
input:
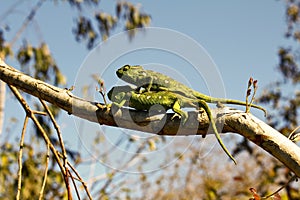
(118, 93)
(115, 96)
(130, 74)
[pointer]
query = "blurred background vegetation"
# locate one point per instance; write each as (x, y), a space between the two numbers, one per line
(188, 178)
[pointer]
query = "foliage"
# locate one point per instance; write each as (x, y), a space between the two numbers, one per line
(33, 169)
(5, 49)
(131, 15)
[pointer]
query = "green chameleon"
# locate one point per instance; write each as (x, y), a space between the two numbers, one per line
(155, 81)
(128, 96)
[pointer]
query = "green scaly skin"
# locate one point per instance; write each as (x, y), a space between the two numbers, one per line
(155, 81)
(128, 96)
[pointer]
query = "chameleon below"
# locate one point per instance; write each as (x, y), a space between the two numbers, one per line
(128, 96)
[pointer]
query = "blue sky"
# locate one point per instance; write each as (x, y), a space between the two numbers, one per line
(242, 38)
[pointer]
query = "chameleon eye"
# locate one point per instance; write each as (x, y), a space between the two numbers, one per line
(126, 67)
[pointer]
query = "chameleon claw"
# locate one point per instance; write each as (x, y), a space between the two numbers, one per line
(175, 115)
(108, 106)
(183, 119)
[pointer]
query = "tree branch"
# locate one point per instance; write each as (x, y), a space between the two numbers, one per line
(159, 123)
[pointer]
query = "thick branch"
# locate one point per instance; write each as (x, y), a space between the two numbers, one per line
(233, 121)
(267, 138)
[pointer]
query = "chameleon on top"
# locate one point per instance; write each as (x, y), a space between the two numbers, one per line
(129, 96)
(155, 81)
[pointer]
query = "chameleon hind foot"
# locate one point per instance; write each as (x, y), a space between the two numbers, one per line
(183, 119)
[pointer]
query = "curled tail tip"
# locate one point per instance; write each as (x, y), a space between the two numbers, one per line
(234, 161)
(265, 112)
(229, 155)
(231, 158)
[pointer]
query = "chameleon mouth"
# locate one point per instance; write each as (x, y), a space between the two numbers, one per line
(119, 73)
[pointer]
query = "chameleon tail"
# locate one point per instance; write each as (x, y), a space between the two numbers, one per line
(204, 105)
(229, 101)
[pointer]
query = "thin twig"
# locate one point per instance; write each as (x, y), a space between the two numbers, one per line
(2, 103)
(248, 93)
(127, 164)
(9, 11)
(62, 145)
(38, 125)
(73, 181)
(45, 173)
(254, 92)
(39, 112)
(81, 180)
(78, 177)
(278, 190)
(26, 22)
(20, 158)
(68, 185)
(59, 135)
